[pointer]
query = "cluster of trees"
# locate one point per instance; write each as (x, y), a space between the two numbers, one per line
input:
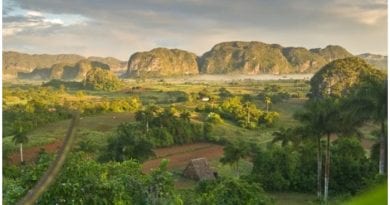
(92, 182)
(30, 108)
(246, 114)
(240, 109)
(104, 105)
(344, 95)
(231, 191)
(155, 127)
(167, 126)
(291, 168)
(335, 110)
(275, 93)
(243, 112)
(123, 182)
(99, 79)
(37, 106)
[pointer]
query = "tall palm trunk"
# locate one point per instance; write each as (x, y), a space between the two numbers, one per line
(382, 150)
(21, 152)
(237, 169)
(248, 116)
(327, 169)
(319, 167)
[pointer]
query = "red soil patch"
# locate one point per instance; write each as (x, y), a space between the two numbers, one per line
(31, 154)
(179, 156)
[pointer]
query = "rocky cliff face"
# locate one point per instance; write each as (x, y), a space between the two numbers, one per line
(162, 62)
(15, 62)
(261, 58)
(332, 52)
(302, 60)
(224, 58)
(115, 64)
(63, 71)
(244, 58)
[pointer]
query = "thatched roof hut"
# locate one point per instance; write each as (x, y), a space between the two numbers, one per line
(199, 169)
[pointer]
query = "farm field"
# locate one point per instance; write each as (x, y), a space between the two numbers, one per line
(96, 130)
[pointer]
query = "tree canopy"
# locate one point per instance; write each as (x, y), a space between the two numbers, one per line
(339, 76)
(100, 79)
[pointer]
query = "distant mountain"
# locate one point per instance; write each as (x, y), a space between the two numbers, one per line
(236, 57)
(233, 57)
(162, 62)
(379, 61)
(244, 57)
(261, 58)
(332, 52)
(63, 71)
(14, 62)
(115, 64)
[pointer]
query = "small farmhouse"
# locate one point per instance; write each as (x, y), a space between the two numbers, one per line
(205, 99)
(199, 169)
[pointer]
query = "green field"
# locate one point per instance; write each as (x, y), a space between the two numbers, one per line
(94, 130)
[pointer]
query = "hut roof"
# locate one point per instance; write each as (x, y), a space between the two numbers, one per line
(199, 169)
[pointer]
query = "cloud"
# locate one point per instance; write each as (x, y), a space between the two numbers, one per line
(363, 12)
(33, 13)
(17, 20)
(122, 27)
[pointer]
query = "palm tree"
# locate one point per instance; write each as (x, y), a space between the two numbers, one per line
(267, 101)
(247, 113)
(321, 118)
(185, 115)
(285, 136)
(19, 138)
(146, 116)
(233, 152)
(369, 102)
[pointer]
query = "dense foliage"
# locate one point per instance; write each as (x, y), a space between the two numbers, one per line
(338, 77)
(99, 79)
(168, 126)
(91, 182)
(290, 169)
(246, 114)
(231, 191)
(31, 108)
(128, 143)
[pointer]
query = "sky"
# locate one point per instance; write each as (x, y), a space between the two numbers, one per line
(118, 28)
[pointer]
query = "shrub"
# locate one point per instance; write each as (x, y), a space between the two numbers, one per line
(214, 118)
(351, 169)
(231, 191)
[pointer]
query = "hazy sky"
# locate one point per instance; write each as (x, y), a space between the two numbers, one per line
(119, 28)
